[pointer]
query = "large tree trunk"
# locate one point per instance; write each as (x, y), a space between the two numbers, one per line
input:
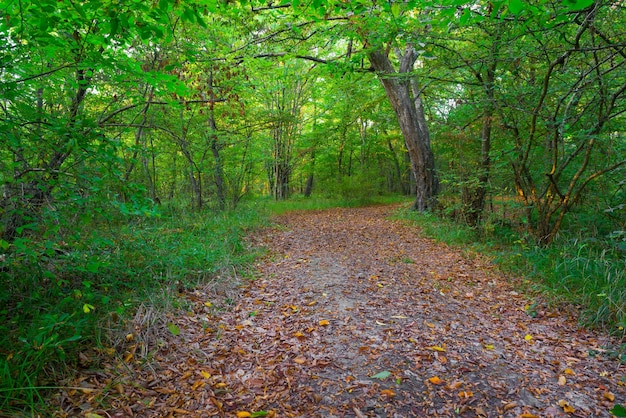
(412, 121)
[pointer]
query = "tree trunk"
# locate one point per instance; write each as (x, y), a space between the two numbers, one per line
(412, 121)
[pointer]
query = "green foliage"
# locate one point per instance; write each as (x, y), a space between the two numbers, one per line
(97, 270)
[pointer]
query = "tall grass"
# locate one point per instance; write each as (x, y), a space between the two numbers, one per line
(56, 290)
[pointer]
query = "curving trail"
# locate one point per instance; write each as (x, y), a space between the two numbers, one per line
(355, 315)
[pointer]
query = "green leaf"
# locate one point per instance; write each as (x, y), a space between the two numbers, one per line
(516, 6)
(382, 375)
(259, 414)
(618, 411)
(577, 4)
(87, 308)
(173, 329)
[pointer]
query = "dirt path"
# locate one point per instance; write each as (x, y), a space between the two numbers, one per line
(353, 315)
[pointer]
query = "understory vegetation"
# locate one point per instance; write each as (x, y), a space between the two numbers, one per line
(141, 141)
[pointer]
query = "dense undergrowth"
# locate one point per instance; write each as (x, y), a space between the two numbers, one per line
(66, 289)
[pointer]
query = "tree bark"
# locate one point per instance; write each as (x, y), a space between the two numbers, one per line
(411, 118)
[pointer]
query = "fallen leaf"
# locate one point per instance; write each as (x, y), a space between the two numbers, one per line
(205, 374)
(243, 414)
(382, 375)
(527, 415)
(324, 322)
(435, 380)
(464, 394)
(562, 380)
(609, 396)
(566, 407)
(569, 372)
(455, 385)
(208, 304)
(300, 360)
(509, 405)
(388, 392)
(437, 348)
(197, 384)
(528, 337)
(381, 323)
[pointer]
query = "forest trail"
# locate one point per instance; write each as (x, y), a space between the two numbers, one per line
(356, 315)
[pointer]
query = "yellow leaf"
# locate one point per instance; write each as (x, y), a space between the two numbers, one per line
(324, 322)
(220, 385)
(435, 380)
(300, 360)
(312, 303)
(243, 414)
(527, 415)
(429, 325)
(380, 285)
(129, 337)
(298, 334)
(509, 405)
(197, 384)
(381, 323)
(569, 372)
(489, 347)
(609, 396)
(562, 380)
(205, 374)
(528, 337)
(566, 407)
(208, 304)
(437, 348)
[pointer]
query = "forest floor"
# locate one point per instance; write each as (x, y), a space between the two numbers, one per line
(355, 315)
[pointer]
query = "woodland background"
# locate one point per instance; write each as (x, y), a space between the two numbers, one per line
(142, 140)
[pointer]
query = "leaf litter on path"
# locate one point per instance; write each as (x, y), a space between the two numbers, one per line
(355, 315)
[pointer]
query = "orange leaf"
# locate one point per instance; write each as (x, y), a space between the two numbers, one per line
(388, 392)
(243, 414)
(324, 322)
(465, 394)
(608, 396)
(527, 415)
(435, 380)
(569, 372)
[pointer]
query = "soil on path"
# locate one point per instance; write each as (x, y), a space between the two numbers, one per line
(355, 315)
